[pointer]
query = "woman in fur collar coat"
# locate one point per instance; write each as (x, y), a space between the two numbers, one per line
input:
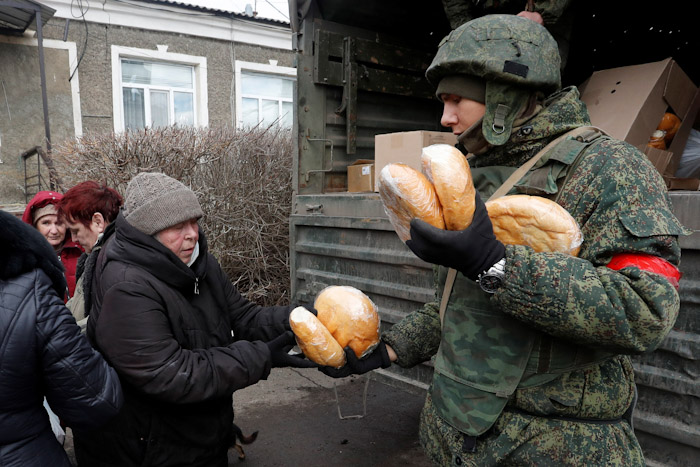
(43, 354)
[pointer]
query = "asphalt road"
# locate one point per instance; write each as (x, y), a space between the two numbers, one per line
(299, 424)
(297, 417)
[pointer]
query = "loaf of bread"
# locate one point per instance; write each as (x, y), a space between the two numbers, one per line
(448, 170)
(350, 316)
(314, 339)
(536, 222)
(407, 194)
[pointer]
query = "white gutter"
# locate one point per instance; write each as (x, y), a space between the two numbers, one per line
(158, 17)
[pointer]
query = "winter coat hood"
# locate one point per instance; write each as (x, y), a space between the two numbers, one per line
(23, 249)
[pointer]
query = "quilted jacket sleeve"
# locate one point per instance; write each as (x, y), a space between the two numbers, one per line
(81, 387)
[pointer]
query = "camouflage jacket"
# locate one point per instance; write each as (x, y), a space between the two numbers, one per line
(557, 15)
(459, 12)
(621, 204)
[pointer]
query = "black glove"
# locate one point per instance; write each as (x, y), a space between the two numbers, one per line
(470, 251)
(279, 353)
(379, 358)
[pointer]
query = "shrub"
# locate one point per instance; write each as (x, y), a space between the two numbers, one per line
(243, 179)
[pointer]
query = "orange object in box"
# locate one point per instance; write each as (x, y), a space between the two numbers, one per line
(670, 123)
(658, 139)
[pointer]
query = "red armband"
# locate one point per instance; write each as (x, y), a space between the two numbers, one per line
(646, 262)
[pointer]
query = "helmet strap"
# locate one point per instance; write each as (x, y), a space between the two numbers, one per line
(473, 138)
(504, 103)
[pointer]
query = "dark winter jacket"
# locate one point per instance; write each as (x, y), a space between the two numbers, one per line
(43, 354)
(81, 302)
(167, 329)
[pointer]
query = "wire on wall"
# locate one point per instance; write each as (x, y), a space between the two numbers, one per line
(83, 11)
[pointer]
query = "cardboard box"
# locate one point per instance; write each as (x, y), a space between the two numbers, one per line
(660, 158)
(687, 184)
(406, 147)
(629, 102)
(361, 176)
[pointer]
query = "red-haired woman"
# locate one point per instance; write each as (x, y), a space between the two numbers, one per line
(88, 210)
(42, 213)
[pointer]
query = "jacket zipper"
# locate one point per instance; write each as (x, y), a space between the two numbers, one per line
(196, 285)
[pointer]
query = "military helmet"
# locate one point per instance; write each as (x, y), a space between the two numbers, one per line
(515, 56)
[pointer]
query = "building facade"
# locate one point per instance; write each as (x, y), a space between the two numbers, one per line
(118, 65)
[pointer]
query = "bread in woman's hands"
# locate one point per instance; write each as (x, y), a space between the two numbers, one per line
(314, 339)
(536, 222)
(407, 194)
(448, 170)
(350, 316)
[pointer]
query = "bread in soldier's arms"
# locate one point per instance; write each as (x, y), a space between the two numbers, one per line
(350, 316)
(536, 222)
(407, 194)
(448, 170)
(314, 339)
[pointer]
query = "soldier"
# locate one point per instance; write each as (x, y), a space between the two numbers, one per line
(531, 361)
(556, 15)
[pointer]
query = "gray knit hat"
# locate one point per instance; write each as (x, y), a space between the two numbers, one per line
(155, 202)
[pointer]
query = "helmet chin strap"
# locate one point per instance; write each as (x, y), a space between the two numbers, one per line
(504, 103)
(473, 139)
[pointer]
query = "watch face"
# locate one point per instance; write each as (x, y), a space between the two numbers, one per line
(490, 283)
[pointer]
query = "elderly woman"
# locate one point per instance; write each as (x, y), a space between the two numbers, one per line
(88, 210)
(179, 334)
(42, 213)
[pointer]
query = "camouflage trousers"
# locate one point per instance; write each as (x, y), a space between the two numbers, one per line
(519, 439)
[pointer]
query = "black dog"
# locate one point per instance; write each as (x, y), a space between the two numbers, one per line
(238, 439)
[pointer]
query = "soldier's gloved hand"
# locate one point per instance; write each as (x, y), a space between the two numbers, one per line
(279, 353)
(379, 358)
(470, 251)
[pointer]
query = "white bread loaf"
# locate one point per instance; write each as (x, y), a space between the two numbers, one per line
(448, 170)
(536, 222)
(350, 316)
(314, 339)
(407, 194)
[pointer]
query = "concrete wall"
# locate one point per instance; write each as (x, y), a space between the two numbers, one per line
(19, 71)
(21, 110)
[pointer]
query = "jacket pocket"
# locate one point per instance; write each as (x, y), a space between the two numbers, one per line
(645, 222)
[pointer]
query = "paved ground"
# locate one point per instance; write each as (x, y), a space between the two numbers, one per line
(296, 415)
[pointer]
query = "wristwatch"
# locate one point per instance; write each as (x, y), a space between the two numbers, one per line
(490, 281)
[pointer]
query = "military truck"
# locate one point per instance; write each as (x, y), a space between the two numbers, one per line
(360, 73)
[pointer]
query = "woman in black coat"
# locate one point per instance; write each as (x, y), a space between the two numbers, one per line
(180, 335)
(43, 354)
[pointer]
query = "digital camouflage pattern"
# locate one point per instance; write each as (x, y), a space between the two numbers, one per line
(620, 201)
(459, 12)
(502, 48)
(513, 55)
(556, 15)
(519, 439)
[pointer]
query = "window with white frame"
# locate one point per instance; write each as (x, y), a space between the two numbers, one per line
(264, 94)
(156, 88)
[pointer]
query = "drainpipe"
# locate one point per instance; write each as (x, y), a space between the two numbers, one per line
(42, 75)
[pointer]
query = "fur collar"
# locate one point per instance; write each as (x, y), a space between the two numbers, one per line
(23, 249)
